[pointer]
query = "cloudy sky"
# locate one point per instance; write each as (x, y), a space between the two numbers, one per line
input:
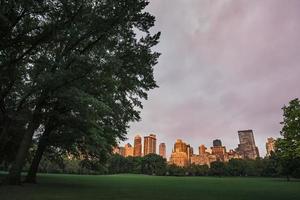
(226, 65)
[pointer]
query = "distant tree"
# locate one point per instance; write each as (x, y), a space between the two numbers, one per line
(270, 166)
(191, 170)
(258, 166)
(134, 164)
(117, 164)
(288, 147)
(236, 167)
(174, 170)
(217, 168)
(154, 164)
(202, 170)
(197, 170)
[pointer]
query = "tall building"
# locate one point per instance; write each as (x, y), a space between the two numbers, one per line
(137, 148)
(162, 150)
(218, 150)
(202, 149)
(149, 144)
(270, 146)
(247, 148)
(204, 157)
(119, 150)
(190, 152)
(181, 154)
(128, 150)
(180, 146)
(217, 143)
(122, 151)
(233, 155)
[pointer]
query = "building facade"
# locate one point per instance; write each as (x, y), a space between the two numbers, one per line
(219, 152)
(181, 154)
(231, 154)
(202, 149)
(122, 151)
(119, 150)
(162, 150)
(149, 144)
(202, 158)
(128, 150)
(247, 148)
(217, 143)
(137, 147)
(270, 145)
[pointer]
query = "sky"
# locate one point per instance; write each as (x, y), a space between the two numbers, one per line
(226, 65)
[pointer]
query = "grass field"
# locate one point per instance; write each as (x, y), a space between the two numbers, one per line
(133, 187)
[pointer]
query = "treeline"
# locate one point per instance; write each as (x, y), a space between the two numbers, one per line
(153, 164)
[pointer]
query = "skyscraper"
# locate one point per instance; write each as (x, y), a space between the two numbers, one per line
(181, 154)
(217, 143)
(190, 151)
(247, 148)
(119, 150)
(180, 146)
(137, 151)
(149, 144)
(128, 150)
(270, 146)
(203, 158)
(162, 150)
(218, 150)
(202, 149)
(122, 151)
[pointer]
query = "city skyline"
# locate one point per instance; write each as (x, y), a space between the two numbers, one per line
(225, 65)
(268, 143)
(150, 99)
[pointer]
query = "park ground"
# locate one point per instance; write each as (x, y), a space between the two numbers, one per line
(115, 187)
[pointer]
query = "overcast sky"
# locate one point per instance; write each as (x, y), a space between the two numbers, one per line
(226, 65)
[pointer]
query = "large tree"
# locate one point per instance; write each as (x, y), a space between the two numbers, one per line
(51, 50)
(153, 164)
(288, 147)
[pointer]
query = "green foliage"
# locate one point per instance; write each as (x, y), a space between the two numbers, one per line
(271, 166)
(54, 162)
(76, 66)
(236, 167)
(119, 164)
(174, 170)
(192, 170)
(153, 164)
(217, 168)
(288, 147)
(63, 164)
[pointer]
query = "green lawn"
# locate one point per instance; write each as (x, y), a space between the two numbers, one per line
(133, 187)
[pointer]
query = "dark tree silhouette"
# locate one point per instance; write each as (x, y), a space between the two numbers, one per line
(79, 60)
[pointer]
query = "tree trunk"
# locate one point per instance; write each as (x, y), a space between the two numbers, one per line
(4, 132)
(14, 177)
(44, 141)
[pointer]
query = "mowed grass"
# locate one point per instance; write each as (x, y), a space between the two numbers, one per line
(131, 187)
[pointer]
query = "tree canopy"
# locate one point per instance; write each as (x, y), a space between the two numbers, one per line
(288, 147)
(76, 68)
